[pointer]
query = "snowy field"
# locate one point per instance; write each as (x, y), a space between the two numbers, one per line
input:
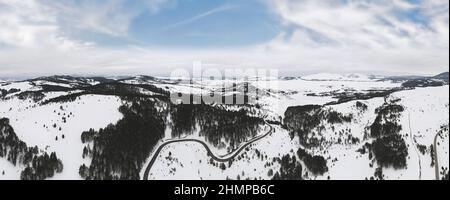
(44, 127)
(58, 127)
(427, 108)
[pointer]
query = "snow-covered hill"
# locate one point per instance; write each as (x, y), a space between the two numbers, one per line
(336, 77)
(323, 126)
(442, 76)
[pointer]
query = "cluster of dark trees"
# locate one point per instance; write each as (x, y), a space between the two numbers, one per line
(65, 98)
(390, 151)
(378, 175)
(54, 88)
(346, 96)
(4, 92)
(33, 95)
(334, 117)
(422, 148)
(385, 123)
(42, 167)
(389, 147)
(123, 89)
(119, 151)
(290, 169)
(317, 165)
(433, 158)
(361, 106)
(303, 120)
(424, 83)
(88, 136)
(214, 123)
(37, 166)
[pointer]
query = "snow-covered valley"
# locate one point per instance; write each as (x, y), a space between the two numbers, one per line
(321, 126)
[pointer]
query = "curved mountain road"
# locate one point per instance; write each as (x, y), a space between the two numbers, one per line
(224, 158)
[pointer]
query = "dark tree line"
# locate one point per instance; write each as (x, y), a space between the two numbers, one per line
(33, 95)
(214, 123)
(4, 92)
(346, 96)
(37, 166)
(424, 83)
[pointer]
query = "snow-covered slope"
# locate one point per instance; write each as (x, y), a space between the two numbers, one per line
(58, 126)
(344, 159)
(52, 113)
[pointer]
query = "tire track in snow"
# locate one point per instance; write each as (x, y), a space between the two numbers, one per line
(415, 146)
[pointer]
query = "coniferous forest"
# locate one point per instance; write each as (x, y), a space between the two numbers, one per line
(37, 165)
(120, 150)
(214, 123)
(389, 148)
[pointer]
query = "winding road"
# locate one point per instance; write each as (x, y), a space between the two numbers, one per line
(224, 158)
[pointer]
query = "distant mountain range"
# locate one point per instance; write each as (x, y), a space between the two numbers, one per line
(336, 77)
(88, 80)
(443, 76)
(363, 77)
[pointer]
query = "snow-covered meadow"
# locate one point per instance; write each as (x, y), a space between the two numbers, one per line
(57, 127)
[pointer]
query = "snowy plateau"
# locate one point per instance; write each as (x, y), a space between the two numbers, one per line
(317, 127)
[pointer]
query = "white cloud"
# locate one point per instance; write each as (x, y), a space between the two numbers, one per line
(25, 20)
(364, 35)
(30, 24)
(18, 28)
(358, 23)
(102, 17)
(111, 17)
(326, 35)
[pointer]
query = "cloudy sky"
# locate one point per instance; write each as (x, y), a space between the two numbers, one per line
(153, 37)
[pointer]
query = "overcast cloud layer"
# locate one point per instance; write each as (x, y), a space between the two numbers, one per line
(44, 37)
